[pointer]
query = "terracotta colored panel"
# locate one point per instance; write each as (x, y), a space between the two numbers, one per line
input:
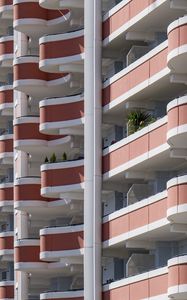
(6, 47)
(117, 294)
(54, 14)
(29, 10)
(182, 194)
(139, 290)
(59, 177)
(139, 74)
(62, 112)
(172, 196)
(173, 276)
(115, 227)
(6, 194)
(27, 131)
(158, 210)
(7, 292)
(28, 71)
(158, 62)
(173, 118)
(183, 35)
(62, 48)
(158, 285)
(137, 6)
(115, 158)
(138, 147)
(6, 2)
(138, 218)
(28, 192)
(116, 21)
(173, 39)
(27, 254)
(6, 96)
(6, 242)
(183, 274)
(6, 146)
(182, 110)
(157, 137)
(116, 89)
(63, 241)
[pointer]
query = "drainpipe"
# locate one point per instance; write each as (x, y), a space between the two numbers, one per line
(93, 150)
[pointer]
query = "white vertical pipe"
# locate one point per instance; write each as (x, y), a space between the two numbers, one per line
(93, 150)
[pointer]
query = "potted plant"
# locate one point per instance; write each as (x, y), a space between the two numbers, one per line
(138, 120)
(53, 158)
(64, 156)
(46, 160)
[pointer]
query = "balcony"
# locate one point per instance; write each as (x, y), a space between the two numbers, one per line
(27, 255)
(6, 100)
(6, 51)
(62, 115)
(177, 123)
(6, 290)
(31, 19)
(63, 178)
(177, 202)
(177, 280)
(62, 52)
(61, 243)
(6, 197)
(6, 9)
(27, 194)
(177, 46)
(26, 134)
(6, 244)
(30, 80)
(126, 17)
(6, 148)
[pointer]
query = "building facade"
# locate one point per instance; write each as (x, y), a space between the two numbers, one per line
(93, 149)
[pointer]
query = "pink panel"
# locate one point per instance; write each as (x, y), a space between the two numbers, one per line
(158, 210)
(138, 218)
(138, 147)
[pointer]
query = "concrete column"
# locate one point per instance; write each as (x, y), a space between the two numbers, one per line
(93, 151)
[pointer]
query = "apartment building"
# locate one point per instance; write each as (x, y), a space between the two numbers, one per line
(93, 149)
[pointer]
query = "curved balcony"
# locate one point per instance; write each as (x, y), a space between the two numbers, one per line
(75, 295)
(177, 279)
(149, 285)
(26, 134)
(58, 4)
(30, 80)
(136, 149)
(6, 149)
(62, 115)
(6, 290)
(27, 255)
(27, 194)
(6, 243)
(6, 51)
(61, 242)
(138, 80)
(6, 197)
(6, 100)
(177, 202)
(177, 123)
(31, 19)
(138, 219)
(62, 52)
(60, 179)
(177, 45)
(6, 9)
